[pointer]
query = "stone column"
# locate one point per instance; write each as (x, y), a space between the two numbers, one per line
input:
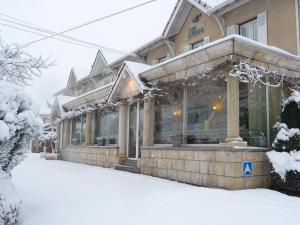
(66, 135)
(148, 122)
(58, 133)
(122, 129)
(88, 128)
(233, 114)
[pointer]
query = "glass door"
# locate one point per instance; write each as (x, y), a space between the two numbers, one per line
(135, 129)
(132, 131)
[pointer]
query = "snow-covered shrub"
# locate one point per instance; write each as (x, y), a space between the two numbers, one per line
(286, 139)
(9, 201)
(50, 138)
(290, 114)
(283, 162)
(19, 122)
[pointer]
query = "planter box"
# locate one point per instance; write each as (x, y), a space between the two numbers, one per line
(291, 186)
(51, 156)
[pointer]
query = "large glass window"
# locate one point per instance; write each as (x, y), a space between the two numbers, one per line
(253, 114)
(168, 116)
(78, 130)
(206, 113)
(106, 129)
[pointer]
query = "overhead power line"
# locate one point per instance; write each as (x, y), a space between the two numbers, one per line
(44, 30)
(90, 22)
(43, 35)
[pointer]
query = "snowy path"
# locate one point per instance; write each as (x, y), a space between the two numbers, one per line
(62, 193)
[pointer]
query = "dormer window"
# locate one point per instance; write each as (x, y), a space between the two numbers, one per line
(249, 29)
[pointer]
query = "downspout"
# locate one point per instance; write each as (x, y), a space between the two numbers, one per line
(171, 47)
(297, 26)
(221, 22)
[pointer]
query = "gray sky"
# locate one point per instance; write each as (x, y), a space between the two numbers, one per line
(124, 32)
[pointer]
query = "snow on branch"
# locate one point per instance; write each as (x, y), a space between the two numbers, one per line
(248, 72)
(19, 67)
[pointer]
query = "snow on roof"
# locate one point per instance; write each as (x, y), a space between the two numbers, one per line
(135, 69)
(134, 52)
(64, 99)
(86, 94)
(213, 3)
(233, 36)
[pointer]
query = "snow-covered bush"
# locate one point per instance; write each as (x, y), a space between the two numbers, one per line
(19, 121)
(283, 162)
(50, 138)
(286, 139)
(9, 201)
(290, 114)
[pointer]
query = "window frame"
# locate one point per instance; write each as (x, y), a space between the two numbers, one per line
(248, 22)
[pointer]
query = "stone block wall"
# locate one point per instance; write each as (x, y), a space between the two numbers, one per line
(91, 155)
(207, 166)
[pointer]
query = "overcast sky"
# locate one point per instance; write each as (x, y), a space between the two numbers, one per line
(123, 32)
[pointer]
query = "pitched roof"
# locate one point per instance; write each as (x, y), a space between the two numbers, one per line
(133, 69)
(183, 7)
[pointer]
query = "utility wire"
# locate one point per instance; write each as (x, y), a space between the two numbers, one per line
(44, 30)
(43, 35)
(88, 23)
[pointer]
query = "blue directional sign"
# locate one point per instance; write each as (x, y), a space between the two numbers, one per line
(247, 168)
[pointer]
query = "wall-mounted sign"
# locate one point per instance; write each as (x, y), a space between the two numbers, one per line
(247, 167)
(195, 31)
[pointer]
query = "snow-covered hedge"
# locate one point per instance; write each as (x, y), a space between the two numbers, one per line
(283, 162)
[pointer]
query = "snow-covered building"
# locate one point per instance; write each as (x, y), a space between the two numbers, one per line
(193, 104)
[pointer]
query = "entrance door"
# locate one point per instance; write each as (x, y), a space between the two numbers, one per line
(135, 129)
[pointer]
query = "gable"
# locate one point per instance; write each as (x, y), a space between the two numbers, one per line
(56, 111)
(128, 83)
(100, 66)
(198, 26)
(72, 79)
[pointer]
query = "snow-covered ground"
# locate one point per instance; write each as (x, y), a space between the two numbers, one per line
(63, 193)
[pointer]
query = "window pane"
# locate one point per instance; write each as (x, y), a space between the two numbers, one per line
(76, 126)
(168, 117)
(206, 113)
(253, 120)
(106, 131)
(78, 130)
(249, 30)
(276, 96)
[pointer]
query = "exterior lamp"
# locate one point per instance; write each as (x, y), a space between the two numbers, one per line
(217, 105)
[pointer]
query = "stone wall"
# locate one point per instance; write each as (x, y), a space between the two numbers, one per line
(207, 166)
(91, 155)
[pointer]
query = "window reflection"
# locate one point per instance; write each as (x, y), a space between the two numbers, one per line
(106, 128)
(206, 112)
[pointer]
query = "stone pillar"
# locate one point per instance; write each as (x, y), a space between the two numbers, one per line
(122, 129)
(58, 133)
(233, 114)
(66, 135)
(148, 122)
(88, 128)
